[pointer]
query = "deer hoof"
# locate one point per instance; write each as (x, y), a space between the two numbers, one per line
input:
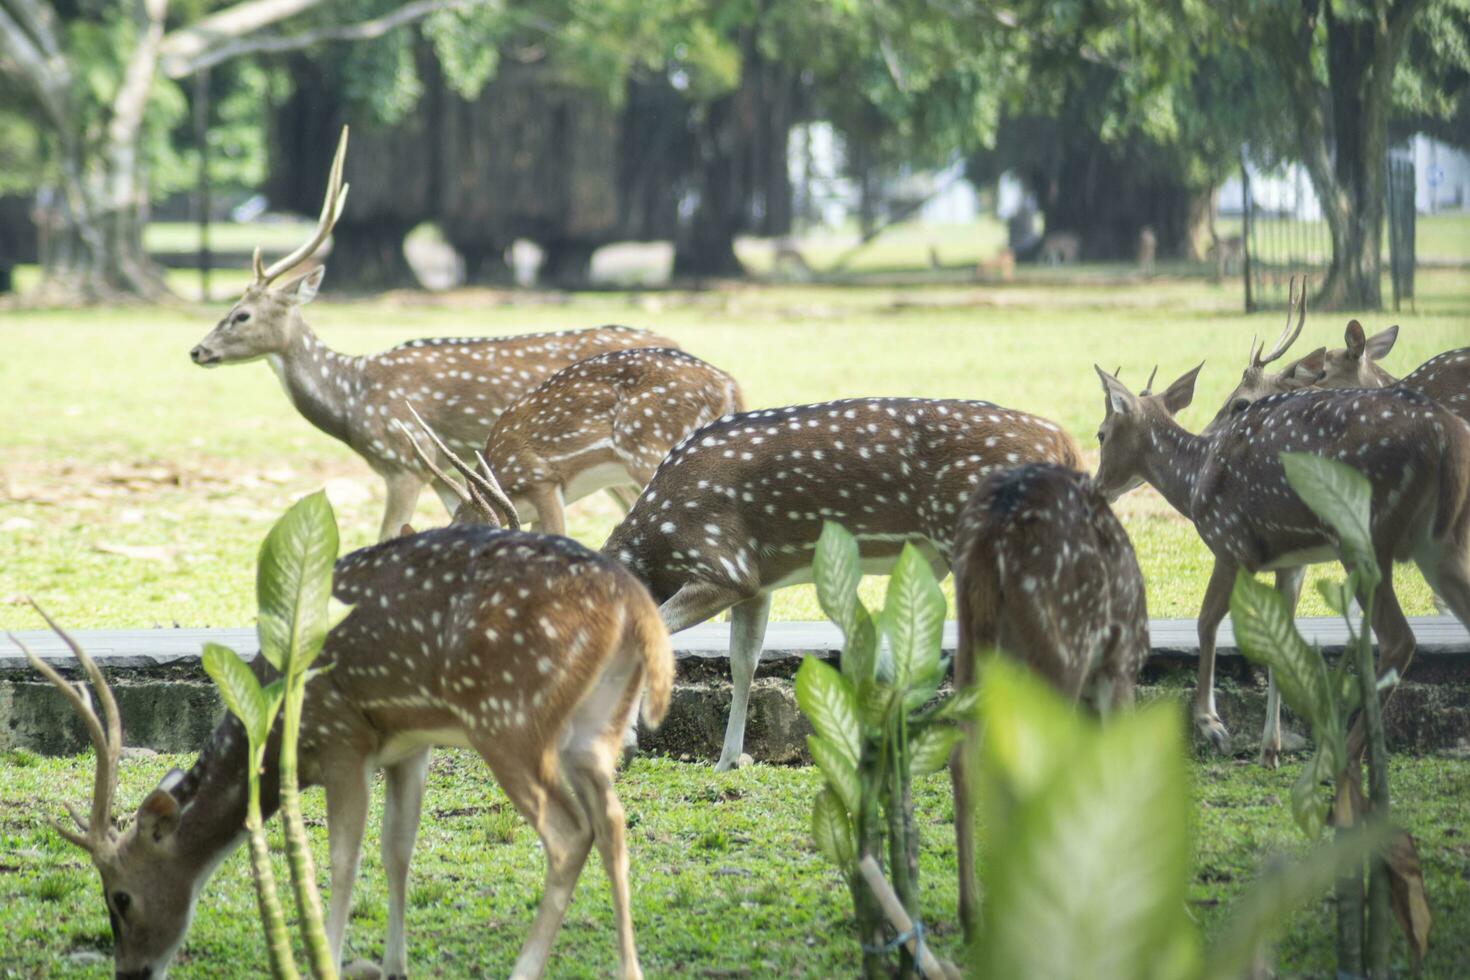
(361, 970)
(1270, 757)
(1215, 732)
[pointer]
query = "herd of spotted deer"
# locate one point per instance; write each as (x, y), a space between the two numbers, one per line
(535, 652)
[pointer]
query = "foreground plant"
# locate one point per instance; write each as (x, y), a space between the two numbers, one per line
(294, 590)
(872, 738)
(1342, 498)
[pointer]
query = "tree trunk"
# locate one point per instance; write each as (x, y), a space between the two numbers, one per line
(705, 246)
(368, 258)
(485, 263)
(566, 263)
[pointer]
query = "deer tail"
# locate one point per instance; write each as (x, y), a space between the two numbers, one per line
(1454, 479)
(647, 632)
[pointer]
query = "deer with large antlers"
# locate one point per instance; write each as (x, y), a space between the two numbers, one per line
(1231, 484)
(462, 384)
(1045, 573)
(528, 649)
(734, 511)
(603, 422)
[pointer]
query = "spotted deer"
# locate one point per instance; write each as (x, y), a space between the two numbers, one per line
(734, 511)
(603, 422)
(1256, 382)
(526, 648)
(1231, 484)
(1046, 574)
(461, 384)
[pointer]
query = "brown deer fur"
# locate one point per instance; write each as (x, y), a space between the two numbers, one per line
(528, 649)
(1232, 485)
(605, 421)
(1044, 573)
(734, 511)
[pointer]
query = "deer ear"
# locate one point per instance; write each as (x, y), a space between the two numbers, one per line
(1310, 369)
(303, 290)
(1119, 398)
(1179, 394)
(1354, 339)
(1381, 343)
(158, 816)
(406, 531)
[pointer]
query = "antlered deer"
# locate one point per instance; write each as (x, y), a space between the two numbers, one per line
(527, 648)
(1044, 573)
(1232, 485)
(603, 422)
(461, 384)
(734, 511)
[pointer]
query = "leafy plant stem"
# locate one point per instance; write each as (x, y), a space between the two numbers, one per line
(277, 940)
(1380, 921)
(298, 851)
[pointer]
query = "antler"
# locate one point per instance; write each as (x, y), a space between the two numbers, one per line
(1294, 304)
(97, 834)
(332, 206)
(481, 489)
(1150, 386)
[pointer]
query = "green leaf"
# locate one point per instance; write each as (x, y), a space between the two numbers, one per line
(874, 699)
(239, 690)
(294, 582)
(827, 700)
(1310, 799)
(1267, 636)
(1343, 499)
(1091, 876)
(930, 749)
(832, 830)
(958, 706)
(836, 572)
(1028, 730)
(274, 694)
(840, 774)
(913, 617)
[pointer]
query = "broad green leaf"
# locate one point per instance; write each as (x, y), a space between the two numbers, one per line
(274, 694)
(840, 774)
(337, 610)
(239, 690)
(959, 706)
(922, 690)
(1343, 499)
(860, 649)
(929, 750)
(294, 582)
(1028, 729)
(1267, 635)
(1310, 799)
(827, 700)
(832, 831)
(913, 617)
(1334, 595)
(836, 572)
(1091, 877)
(1266, 907)
(874, 699)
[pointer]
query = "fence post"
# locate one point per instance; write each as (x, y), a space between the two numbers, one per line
(1245, 229)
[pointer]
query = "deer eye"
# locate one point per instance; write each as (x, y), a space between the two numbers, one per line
(121, 901)
(242, 316)
(1239, 405)
(1100, 434)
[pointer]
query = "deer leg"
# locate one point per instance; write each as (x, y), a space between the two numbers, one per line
(404, 488)
(402, 806)
(348, 793)
(1289, 584)
(747, 634)
(566, 839)
(1395, 645)
(550, 509)
(1212, 610)
(962, 775)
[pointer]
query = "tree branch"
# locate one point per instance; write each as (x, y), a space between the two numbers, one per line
(40, 22)
(276, 44)
(47, 77)
(232, 22)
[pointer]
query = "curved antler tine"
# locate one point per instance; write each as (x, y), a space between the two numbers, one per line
(497, 495)
(257, 266)
(428, 461)
(331, 210)
(106, 743)
(1151, 375)
(1118, 371)
(1294, 304)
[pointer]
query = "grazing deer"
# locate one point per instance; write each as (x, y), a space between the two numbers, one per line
(1061, 248)
(1148, 249)
(461, 384)
(603, 422)
(1232, 485)
(1045, 573)
(734, 511)
(529, 649)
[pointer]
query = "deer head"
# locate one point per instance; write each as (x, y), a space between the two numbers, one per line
(1127, 422)
(266, 317)
(149, 882)
(1255, 383)
(480, 497)
(1355, 365)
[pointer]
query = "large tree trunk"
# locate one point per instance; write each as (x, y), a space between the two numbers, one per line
(368, 257)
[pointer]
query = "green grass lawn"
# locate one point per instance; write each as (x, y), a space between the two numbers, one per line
(725, 880)
(135, 487)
